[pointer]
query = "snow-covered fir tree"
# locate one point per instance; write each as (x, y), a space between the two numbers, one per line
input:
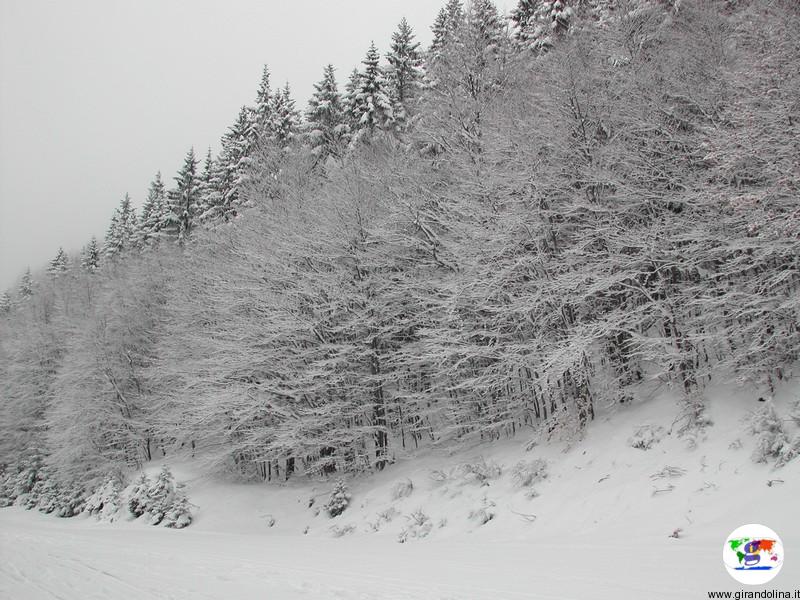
(372, 106)
(137, 497)
(405, 71)
(90, 256)
(59, 264)
(539, 24)
(222, 197)
(339, 499)
(123, 232)
(444, 28)
(160, 496)
(206, 188)
(485, 25)
(261, 114)
(325, 117)
(184, 200)
(349, 101)
(179, 513)
(155, 211)
(284, 118)
(26, 285)
(5, 303)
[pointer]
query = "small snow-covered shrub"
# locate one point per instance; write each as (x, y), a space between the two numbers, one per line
(159, 496)
(137, 497)
(402, 489)
(646, 436)
(789, 452)
(771, 441)
(339, 500)
(484, 514)
(419, 526)
(382, 517)
(669, 472)
(694, 419)
(105, 502)
(179, 514)
(480, 471)
(338, 531)
(527, 473)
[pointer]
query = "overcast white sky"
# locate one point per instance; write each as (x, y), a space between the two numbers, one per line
(98, 95)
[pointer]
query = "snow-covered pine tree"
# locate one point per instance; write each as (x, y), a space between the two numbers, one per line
(154, 212)
(122, 234)
(485, 27)
(106, 500)
(444, 28)
(372, 107)
(206, 188)
(325, 117)
(339, 499)
(184, 199)
(90, 256)
(230, 169)
(284, 118)
(5, 303)
(538, 24)
(26, 285)
(59, 264)
(137, 498)
(349, 100)
(160, 496)
(70, 501)
(179, 514)
(405, 70)
(261, 114)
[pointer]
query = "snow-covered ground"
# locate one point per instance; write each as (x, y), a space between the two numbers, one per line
(601, 530)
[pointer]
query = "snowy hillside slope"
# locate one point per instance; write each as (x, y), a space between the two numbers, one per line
(599, 525)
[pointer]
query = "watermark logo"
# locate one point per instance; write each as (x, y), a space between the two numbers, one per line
(753, 554)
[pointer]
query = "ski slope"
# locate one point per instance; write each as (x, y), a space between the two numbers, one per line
(600, 531)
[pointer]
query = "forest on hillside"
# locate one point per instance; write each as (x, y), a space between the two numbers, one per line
(508, 231)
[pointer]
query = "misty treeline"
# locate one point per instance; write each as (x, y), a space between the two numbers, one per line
(544, 213)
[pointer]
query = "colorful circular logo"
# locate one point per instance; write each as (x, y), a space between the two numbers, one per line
(753, 554)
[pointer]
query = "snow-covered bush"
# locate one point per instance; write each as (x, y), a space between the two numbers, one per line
(419, 526)
(179, 514)
(480, 471)
(789, 452)
(159, 496)
(484, 513)
(106, 500)
(381, 518)
(693, 418)
(527, 473)
(402, 489)
(137, 497)
(646, 436)
(770, 438)
(338, 531)
(339, 500)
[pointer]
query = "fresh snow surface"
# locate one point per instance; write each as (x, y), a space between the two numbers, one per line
(599, 530)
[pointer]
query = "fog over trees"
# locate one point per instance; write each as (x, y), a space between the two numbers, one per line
(507, 231)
